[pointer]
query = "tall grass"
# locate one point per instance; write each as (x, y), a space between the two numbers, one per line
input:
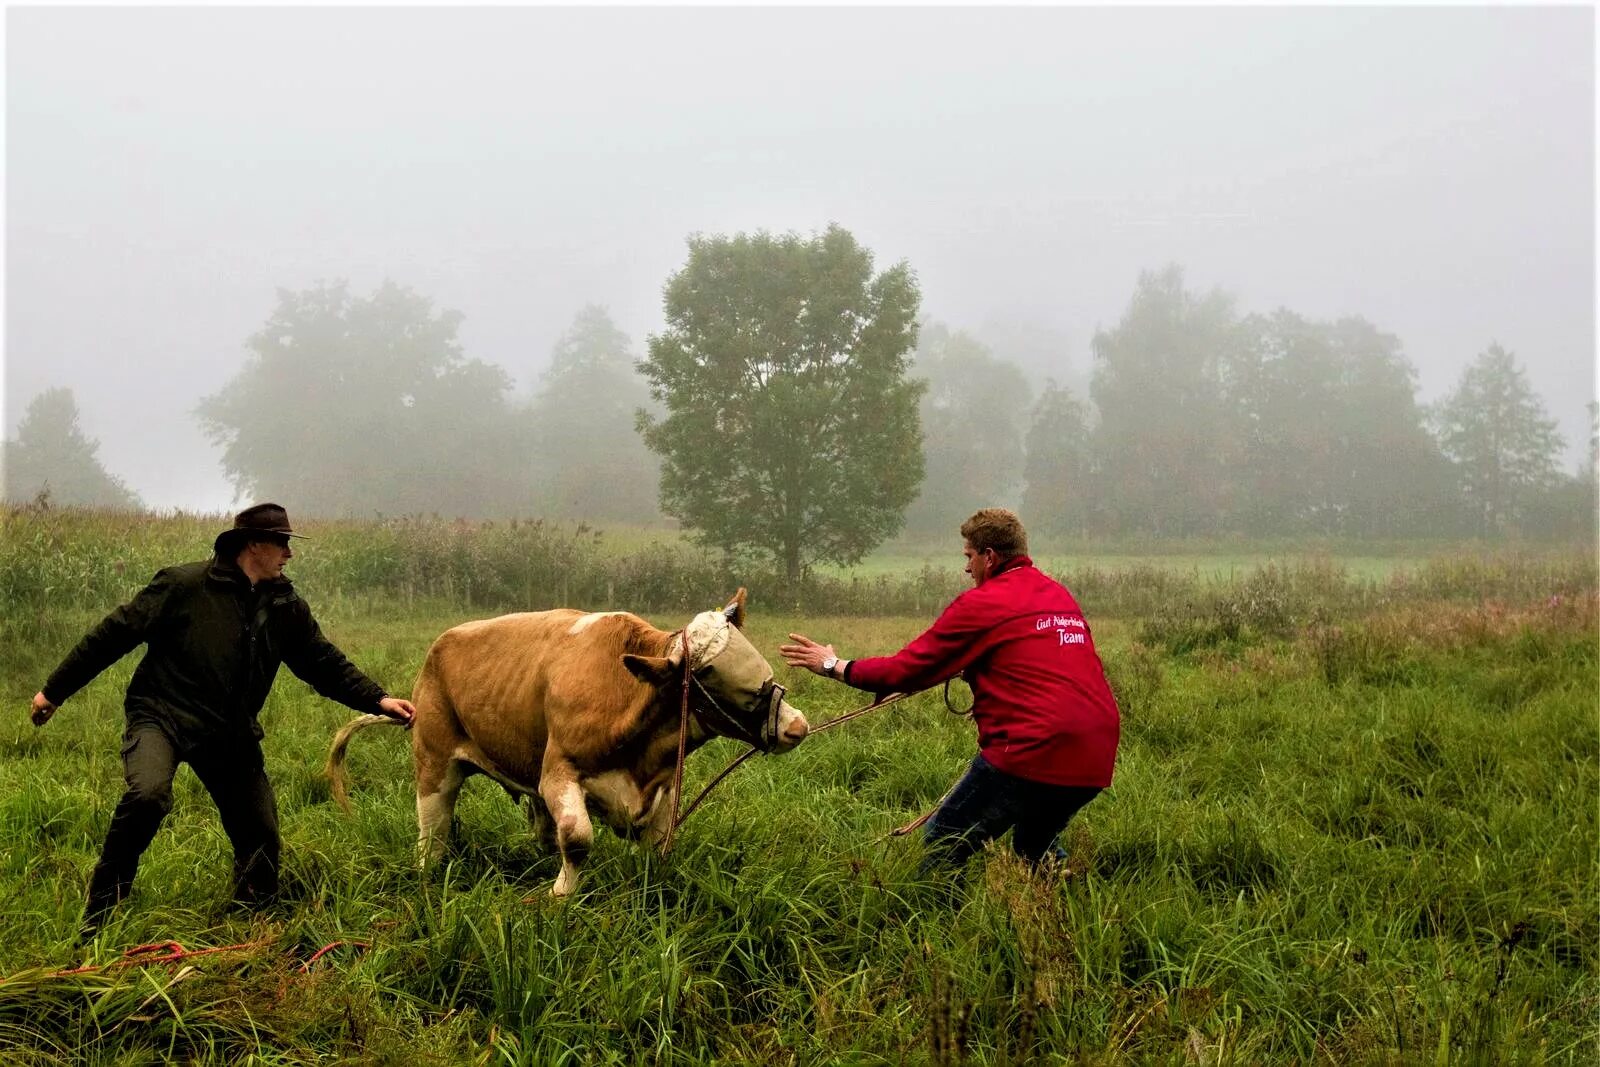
(1353, 822)
(50, 559)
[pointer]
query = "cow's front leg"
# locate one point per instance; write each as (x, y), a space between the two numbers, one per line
(558, 785)
(657, 820)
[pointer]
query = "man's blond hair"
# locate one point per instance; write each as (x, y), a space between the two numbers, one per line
(996, 528)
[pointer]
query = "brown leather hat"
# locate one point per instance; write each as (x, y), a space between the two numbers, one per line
(253, 521)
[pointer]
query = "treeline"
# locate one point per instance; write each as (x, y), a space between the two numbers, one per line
(366, 406)
(352, 405)
(1197, 421)
(795, 409)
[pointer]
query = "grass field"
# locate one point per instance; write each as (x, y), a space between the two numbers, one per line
(1347, 838)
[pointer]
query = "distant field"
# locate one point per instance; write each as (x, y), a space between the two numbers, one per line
(1204, 565)
(1346, 828)
(1210, 560)
(184, 536)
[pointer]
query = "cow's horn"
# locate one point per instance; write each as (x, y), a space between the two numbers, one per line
(734, 612)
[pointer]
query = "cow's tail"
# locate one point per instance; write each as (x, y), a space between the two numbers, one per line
(341, 742)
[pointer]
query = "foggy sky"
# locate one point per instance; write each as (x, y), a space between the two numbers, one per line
(167, 170)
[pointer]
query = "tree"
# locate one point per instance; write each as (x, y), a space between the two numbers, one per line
(1398, 480)
(1570, 509)
(1576, 499)
(1057, 470)
(974, 413)
(1494, 428)
(1284, 385)
(51, 457)
(790, 427)
(356, 406)
(1164, 442)
(1333, 439)
(590, 461)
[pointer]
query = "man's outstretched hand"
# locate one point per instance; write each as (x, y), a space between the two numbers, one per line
(397, 709)
(805, 653)
(42, 709)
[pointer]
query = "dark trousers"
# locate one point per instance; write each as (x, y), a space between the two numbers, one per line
(987, 802)
(235, 776)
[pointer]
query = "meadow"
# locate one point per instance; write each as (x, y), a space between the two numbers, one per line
(1354, 821)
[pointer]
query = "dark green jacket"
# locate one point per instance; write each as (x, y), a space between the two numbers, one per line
(214, 648)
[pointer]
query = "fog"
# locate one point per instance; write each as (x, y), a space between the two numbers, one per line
(1431, 170)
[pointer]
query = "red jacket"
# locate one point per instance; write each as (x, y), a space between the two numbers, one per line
(1042, 705)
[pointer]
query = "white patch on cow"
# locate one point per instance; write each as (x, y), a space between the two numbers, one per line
(568, 806)
(708, 636)
(434, 812)
(615, 796)
(573, 832)
(656, 820)
(657, 803)
(583, 622)
(570, 815)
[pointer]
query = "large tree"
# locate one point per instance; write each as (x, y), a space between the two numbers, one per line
(1164, 443)
(1399, 481)
(1333, 439)
(366, 405)
(589, 458)
(1284, 388)
(52, 459)
(790, 426)
(974, 413)
(1058, 469)
(1494, 428)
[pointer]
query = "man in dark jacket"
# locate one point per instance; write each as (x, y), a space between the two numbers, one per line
(215, 631)
(1048, 725)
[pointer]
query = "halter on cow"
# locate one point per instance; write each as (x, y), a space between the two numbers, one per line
(754, 717)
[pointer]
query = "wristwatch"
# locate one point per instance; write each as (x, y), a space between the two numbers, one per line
(828, 664)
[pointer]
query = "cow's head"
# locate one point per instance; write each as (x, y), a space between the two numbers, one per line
(732, 688)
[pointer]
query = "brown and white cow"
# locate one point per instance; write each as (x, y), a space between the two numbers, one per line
(578, 712)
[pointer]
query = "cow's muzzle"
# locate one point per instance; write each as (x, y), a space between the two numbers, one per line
(792, 728)
(783, 727)
(762, 719)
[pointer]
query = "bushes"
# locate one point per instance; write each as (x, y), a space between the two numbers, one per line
(1384, 648)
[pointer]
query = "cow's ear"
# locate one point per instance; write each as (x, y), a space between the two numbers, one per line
(734, 612)
(657, 670)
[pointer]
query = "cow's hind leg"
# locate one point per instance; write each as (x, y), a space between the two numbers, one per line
(438, 786)
(558, 785)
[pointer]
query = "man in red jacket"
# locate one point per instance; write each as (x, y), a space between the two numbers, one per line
(1047, 723)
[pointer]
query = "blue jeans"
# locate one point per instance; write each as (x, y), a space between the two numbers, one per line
(987, 802)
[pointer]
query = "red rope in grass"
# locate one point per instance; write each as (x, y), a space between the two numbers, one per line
(329, 947)
(174, 952)
(158, 952)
